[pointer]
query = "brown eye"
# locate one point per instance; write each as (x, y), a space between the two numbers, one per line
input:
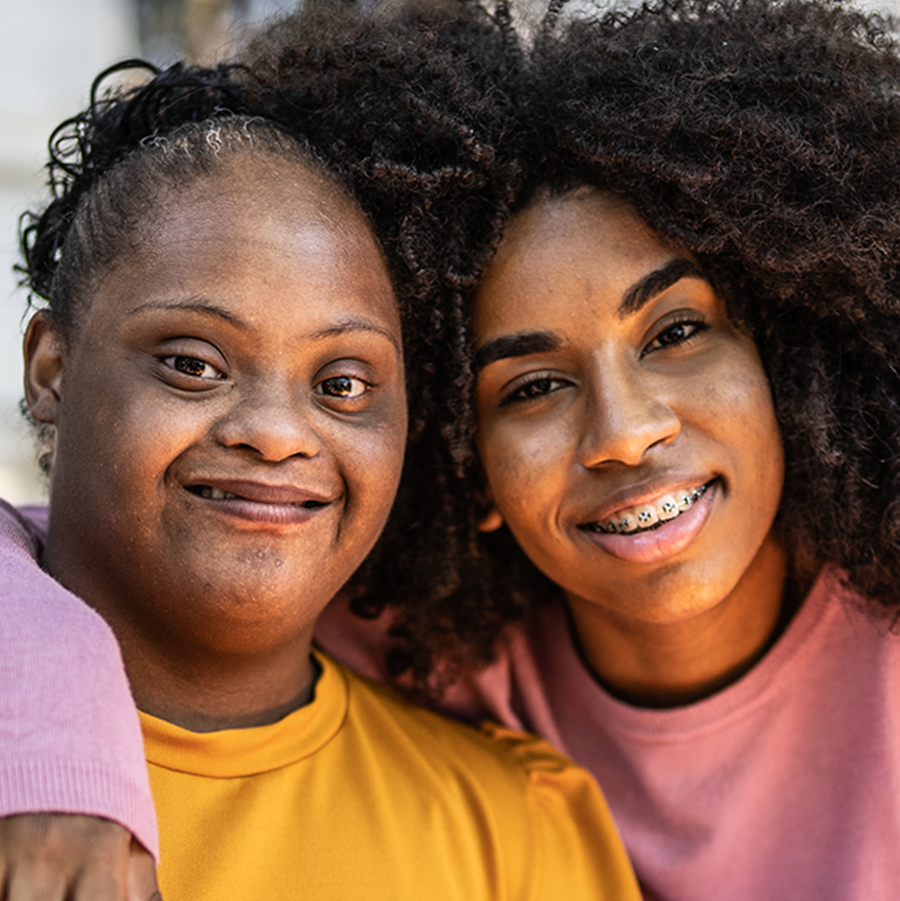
(193, 367)
(675, 335)
(190, 366)
(678, 333)
(342, 386)
(538, 387)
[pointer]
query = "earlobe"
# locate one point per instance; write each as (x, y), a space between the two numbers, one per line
(491, 520)
(44, 357)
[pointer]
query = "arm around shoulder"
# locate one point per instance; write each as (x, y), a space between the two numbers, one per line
(70, 738)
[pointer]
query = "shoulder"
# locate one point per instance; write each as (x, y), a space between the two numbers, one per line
(834, 601)
(37, 609)
(19, 533)
(547, 814)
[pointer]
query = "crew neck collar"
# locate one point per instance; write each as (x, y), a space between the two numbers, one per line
(230, 753)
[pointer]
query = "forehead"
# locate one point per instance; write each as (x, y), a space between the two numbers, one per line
(256, 228)
(575, 248)
(271, 196)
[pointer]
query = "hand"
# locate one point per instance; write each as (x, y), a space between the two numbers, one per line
(63, 857)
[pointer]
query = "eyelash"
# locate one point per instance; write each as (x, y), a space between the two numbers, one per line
(697, 326)
(519, 394)
(172, 362)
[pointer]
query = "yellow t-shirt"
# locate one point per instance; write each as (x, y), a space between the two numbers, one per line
(360, 795)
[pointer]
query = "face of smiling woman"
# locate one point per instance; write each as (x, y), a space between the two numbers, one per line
(626, 426)
(231, 423)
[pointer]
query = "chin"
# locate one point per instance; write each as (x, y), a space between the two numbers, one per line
(665, 598)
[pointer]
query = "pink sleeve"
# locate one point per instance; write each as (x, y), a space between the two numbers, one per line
(489, 693)
(70, 740)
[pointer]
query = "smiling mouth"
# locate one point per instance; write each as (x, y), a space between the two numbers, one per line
(647, 517)
(210, 493)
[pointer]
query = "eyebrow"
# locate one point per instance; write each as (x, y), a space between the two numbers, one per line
(519, 345)
(355, 324)
(207, 308)
(194, 305)
(525, 343)
(655, 283)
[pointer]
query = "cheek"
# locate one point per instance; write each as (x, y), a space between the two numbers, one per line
(123, 436)
(749, 428)
(522, 466)
(767, 459)
(372, 461)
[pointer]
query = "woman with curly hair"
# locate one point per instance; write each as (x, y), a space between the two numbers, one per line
(686, 419)
(680, 525)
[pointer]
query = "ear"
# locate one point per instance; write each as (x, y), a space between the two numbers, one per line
(491, 517)
(43, 349)
(491, 521)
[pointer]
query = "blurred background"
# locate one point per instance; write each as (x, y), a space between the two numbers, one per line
(50, 51)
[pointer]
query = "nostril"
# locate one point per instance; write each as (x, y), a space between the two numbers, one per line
(270, 431)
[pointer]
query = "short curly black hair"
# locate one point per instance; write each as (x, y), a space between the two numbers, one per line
(122, 128)
(400, 107)
(764, 137)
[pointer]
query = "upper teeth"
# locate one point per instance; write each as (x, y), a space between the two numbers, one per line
(648, 516)
(213, 494)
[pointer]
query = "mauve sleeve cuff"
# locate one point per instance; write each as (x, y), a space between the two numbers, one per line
(70, 739)
(97, 789)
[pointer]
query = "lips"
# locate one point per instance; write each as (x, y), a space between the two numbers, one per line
(651, 514)
(260, 502)
(654, 541)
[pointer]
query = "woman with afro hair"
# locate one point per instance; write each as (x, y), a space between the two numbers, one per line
(661, 465)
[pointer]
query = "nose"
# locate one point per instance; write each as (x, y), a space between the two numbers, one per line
(624, 416)
(277, 422)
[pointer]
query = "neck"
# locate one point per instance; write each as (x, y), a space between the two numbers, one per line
(237, 692)
(212, 667)
(653, 664)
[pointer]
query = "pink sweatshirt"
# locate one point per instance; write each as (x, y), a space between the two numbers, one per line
(69, 734)
(785, 785)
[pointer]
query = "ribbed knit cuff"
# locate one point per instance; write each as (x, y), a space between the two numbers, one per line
(55, 785)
